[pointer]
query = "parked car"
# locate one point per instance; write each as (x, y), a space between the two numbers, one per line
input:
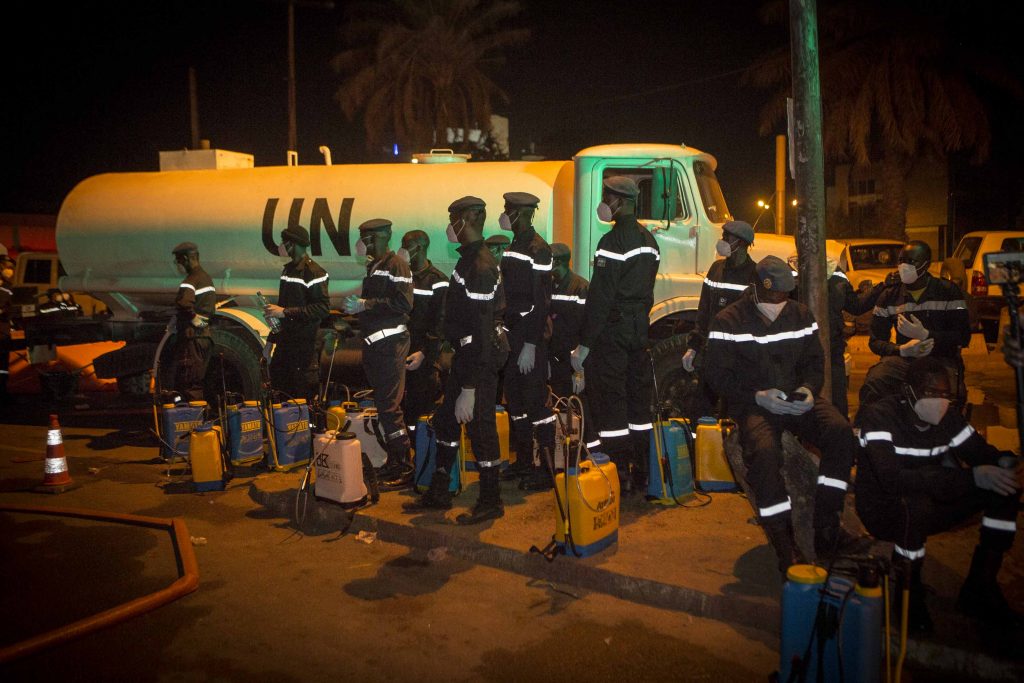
(966, 267)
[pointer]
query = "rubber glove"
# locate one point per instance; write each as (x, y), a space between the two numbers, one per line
(805, 404)
(773, 400)
(414, 360)
(578, 357)
(911, 327)
(688, 359)
(578, 383)
(273, 311)
(464, 405)
(527, 358)
(995, 478)
(353, 304)
(915, 348)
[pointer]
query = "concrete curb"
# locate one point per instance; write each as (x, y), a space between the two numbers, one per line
(324, 518)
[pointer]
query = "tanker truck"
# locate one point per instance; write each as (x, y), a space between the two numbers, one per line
(115, 233)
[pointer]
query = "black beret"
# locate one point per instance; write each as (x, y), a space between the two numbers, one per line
(467, 202)
(185, 248)
(296, 234)
(523, 199)
(497, 239)
(621, 185)
(741, 229)
(375, 224)
(559, 250)
(775, 274)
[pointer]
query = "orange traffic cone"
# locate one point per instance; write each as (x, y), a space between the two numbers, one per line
(56, 478)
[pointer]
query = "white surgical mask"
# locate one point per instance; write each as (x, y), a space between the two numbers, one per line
(403, 254)
(931, 410)
(604, 213)
(505, 221)
(360, 248)
(771, 311)
(908, 273)
(282, 252)
(452, 235)
(7, 274)
(723, 248)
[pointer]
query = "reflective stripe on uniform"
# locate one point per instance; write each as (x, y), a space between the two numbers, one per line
(525, 257)
(612, 433)
(300, 281)
(392, 277)
(568, 297)
(641, 427)
(439, 285)
(912, 306)
(725, 285)
(545, 421)
(764, 339)
(960, 437)
(395, 434)
(475, 295)
(594, 444)
(628, 255)
(999, 524)
(910, 554)
(834, 483)
(423, 292)
(776, 509)
(377, 336)
(450, 444)
(487, 464)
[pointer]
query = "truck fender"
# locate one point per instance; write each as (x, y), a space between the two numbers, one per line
(250, 319)
(668, 307)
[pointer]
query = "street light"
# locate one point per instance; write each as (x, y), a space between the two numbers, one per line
(764, 206)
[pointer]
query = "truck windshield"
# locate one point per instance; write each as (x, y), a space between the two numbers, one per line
(711, 193)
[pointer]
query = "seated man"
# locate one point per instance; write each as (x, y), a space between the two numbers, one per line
(911, 484)
(764, 357)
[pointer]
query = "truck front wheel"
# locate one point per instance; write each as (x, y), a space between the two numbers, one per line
(235, 364)
(678, 390)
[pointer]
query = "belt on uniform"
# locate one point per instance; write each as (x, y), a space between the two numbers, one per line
(468, 339)
(389, 332)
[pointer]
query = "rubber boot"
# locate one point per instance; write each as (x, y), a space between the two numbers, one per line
(980, 596)
(397, 471)
(436, 497)
(780, 535)
(908, 575)
(523, 464)
(832, 540)
(539, 478)
(488, 505)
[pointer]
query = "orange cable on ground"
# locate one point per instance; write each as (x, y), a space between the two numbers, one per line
(187, 581)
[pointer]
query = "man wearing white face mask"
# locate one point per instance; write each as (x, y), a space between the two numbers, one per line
(613, 349)
(195, 305)
(725, 282)
(923, 470)
(930, 317)
(383, 309)
(526, 276)
(765, 358)
(302, 302)
(472, 325)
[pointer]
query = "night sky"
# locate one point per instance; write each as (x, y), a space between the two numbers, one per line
(103, 86)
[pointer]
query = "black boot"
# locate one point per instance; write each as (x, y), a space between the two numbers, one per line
(539, 478)
(397, 471)
(832, 540)
(780, 535)
(436, 497)
(523, 464)
(980, 596)
(908, 575)
(488, 505)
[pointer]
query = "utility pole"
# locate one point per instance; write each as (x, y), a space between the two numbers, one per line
(314, 4)
(810, 169)
(193, 106)
(780, 184)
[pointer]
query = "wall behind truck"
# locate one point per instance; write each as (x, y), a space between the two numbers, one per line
(116, 231)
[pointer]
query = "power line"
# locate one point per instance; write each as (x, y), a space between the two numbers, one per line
(674, 86)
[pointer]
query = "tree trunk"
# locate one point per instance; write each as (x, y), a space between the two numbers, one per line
(892, 211)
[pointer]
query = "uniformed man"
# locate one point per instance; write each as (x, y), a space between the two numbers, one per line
(930, 317)
(526, 276)
(195, 304)
(302, 302)
(6, 295)
(426, 331)
(613, 347)
(497, 244)
(765, 358)
(472, 324)
(383, 309)
(726, 280)
(907, 491)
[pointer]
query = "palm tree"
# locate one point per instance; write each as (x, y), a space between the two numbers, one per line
(416, 68)
(899, 79)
